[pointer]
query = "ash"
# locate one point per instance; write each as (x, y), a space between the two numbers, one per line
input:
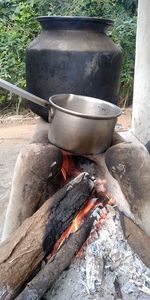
(109, 269)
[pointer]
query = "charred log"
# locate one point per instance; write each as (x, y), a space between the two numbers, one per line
(46, 277)
(34, 239)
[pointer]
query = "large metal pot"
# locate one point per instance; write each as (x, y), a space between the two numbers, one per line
(82, 125)
(73, 55)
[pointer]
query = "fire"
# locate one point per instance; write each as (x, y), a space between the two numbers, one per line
(68, 168)
(77, 222)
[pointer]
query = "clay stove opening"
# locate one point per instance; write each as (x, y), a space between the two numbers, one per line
(87, 199)
(106, 235)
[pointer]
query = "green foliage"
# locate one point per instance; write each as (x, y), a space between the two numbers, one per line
(124, 34)
(18, 26)
(129, 5)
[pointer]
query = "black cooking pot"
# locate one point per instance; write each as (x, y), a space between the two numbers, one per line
(73, 55)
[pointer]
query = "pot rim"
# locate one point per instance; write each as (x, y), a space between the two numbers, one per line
(83, 19)
(70, 112)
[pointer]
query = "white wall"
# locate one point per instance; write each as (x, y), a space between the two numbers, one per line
(141, 95)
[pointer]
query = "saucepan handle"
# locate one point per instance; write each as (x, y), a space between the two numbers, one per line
(20, 92)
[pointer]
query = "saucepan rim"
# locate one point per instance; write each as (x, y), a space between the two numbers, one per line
(117, 109)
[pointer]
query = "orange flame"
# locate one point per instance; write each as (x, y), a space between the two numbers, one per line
(77, 222)
(69, 168)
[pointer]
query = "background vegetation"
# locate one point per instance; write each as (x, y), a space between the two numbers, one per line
(18, 26)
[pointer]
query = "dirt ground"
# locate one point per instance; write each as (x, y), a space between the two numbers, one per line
(125, 119)
(15, 133)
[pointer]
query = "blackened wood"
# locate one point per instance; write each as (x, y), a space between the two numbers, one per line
(46, 277)
(34, 239)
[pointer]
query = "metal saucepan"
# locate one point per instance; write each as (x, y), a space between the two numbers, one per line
(78, 124)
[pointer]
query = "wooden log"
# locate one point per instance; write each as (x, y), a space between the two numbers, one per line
(39, 285)
(34, 239)
(32, 170)
(129, 164)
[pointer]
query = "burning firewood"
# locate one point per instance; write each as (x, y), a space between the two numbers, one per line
(35, 238)
(37, 287)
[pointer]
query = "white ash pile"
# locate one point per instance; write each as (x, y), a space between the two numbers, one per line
(109, 270)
